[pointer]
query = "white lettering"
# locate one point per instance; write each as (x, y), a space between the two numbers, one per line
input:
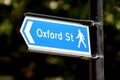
(69, 37)
(52, 35)
(39, 33)
(72, 38)
(48, 34)
(44, 35)
(60, 36)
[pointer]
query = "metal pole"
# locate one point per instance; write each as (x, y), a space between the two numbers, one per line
(97, 66)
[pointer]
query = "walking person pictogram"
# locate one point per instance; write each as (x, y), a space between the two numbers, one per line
(81, 38)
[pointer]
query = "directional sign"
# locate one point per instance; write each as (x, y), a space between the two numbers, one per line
(56, 36)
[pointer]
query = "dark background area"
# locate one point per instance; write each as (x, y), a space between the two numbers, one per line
(16, 61)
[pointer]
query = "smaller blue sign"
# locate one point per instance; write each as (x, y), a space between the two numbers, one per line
(60, 37)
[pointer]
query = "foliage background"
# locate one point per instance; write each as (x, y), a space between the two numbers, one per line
(15, 60)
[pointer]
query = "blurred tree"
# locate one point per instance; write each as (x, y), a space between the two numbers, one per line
(15, 60)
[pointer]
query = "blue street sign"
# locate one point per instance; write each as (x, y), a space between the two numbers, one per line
(56, 36)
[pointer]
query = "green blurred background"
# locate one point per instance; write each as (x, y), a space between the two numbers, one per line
(16, 63)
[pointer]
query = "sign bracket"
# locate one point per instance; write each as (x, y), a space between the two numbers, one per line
(82, 21)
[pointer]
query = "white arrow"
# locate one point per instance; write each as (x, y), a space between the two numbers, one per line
(27, 31)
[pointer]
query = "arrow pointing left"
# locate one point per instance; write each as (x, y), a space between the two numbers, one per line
(27, 31)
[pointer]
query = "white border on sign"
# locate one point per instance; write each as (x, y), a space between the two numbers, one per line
(56, 50)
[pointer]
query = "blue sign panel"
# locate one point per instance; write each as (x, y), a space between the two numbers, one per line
(62, 37)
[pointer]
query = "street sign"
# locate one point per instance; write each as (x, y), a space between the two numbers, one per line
(56, 36)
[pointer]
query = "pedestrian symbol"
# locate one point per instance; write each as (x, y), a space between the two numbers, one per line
(81, 38)
(56, 36)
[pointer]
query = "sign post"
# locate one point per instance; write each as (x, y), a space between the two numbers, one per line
(97, 65)
(50, 35)
(64, 36)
